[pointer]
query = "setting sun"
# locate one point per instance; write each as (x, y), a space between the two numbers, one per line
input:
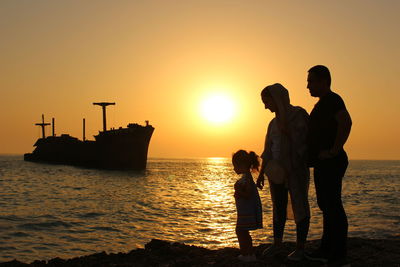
(218, 108)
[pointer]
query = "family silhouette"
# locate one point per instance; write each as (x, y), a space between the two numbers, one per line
(296, 141)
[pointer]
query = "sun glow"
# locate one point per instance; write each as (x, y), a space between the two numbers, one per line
(218, 108)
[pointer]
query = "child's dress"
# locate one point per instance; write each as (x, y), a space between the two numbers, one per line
(249, 211)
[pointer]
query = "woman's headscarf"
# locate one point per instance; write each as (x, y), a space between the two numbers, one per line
(280, 95)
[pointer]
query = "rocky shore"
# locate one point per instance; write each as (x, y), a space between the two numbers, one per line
(362, 252)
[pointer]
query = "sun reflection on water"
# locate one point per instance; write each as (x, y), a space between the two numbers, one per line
(62, 211)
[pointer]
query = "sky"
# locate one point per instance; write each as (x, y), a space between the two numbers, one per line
(161, 60)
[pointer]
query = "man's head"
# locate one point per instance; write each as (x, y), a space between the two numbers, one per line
(319, 80)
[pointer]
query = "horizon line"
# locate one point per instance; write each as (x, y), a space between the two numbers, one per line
(204, 157)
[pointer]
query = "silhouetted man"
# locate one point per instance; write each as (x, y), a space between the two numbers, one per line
(329, 128)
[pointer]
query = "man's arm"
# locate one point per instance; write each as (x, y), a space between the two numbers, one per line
(343, 131)
(344, 127)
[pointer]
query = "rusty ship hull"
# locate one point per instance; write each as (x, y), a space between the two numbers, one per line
(120, 149)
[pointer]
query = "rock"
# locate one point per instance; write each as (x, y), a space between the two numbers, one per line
(361, 252)
(13, 263)
(56, 262)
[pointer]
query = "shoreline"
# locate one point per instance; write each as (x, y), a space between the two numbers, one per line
(361, 252)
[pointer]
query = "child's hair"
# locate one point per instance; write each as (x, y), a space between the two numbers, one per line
(248, 159)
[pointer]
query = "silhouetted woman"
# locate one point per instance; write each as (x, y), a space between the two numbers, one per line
(284, 161)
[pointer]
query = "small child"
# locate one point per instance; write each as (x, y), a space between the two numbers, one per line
(248, 202)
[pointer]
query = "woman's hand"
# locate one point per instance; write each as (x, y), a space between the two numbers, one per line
(260, 180)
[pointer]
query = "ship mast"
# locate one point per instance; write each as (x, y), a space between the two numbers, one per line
(43, 124)
(104, 105)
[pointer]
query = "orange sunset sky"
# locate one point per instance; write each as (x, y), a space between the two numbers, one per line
(163, 60)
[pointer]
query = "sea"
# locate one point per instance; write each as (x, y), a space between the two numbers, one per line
(49, 211)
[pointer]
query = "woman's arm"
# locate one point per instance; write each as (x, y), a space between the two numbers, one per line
(265, 156)
(261, 177)
(299, 136)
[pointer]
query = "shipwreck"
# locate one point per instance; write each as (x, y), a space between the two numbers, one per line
(120, 149)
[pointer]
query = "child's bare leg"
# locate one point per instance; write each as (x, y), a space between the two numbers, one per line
(245, 242)
(242, 241)
(250, 242)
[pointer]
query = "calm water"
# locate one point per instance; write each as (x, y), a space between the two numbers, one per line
(54, 210)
